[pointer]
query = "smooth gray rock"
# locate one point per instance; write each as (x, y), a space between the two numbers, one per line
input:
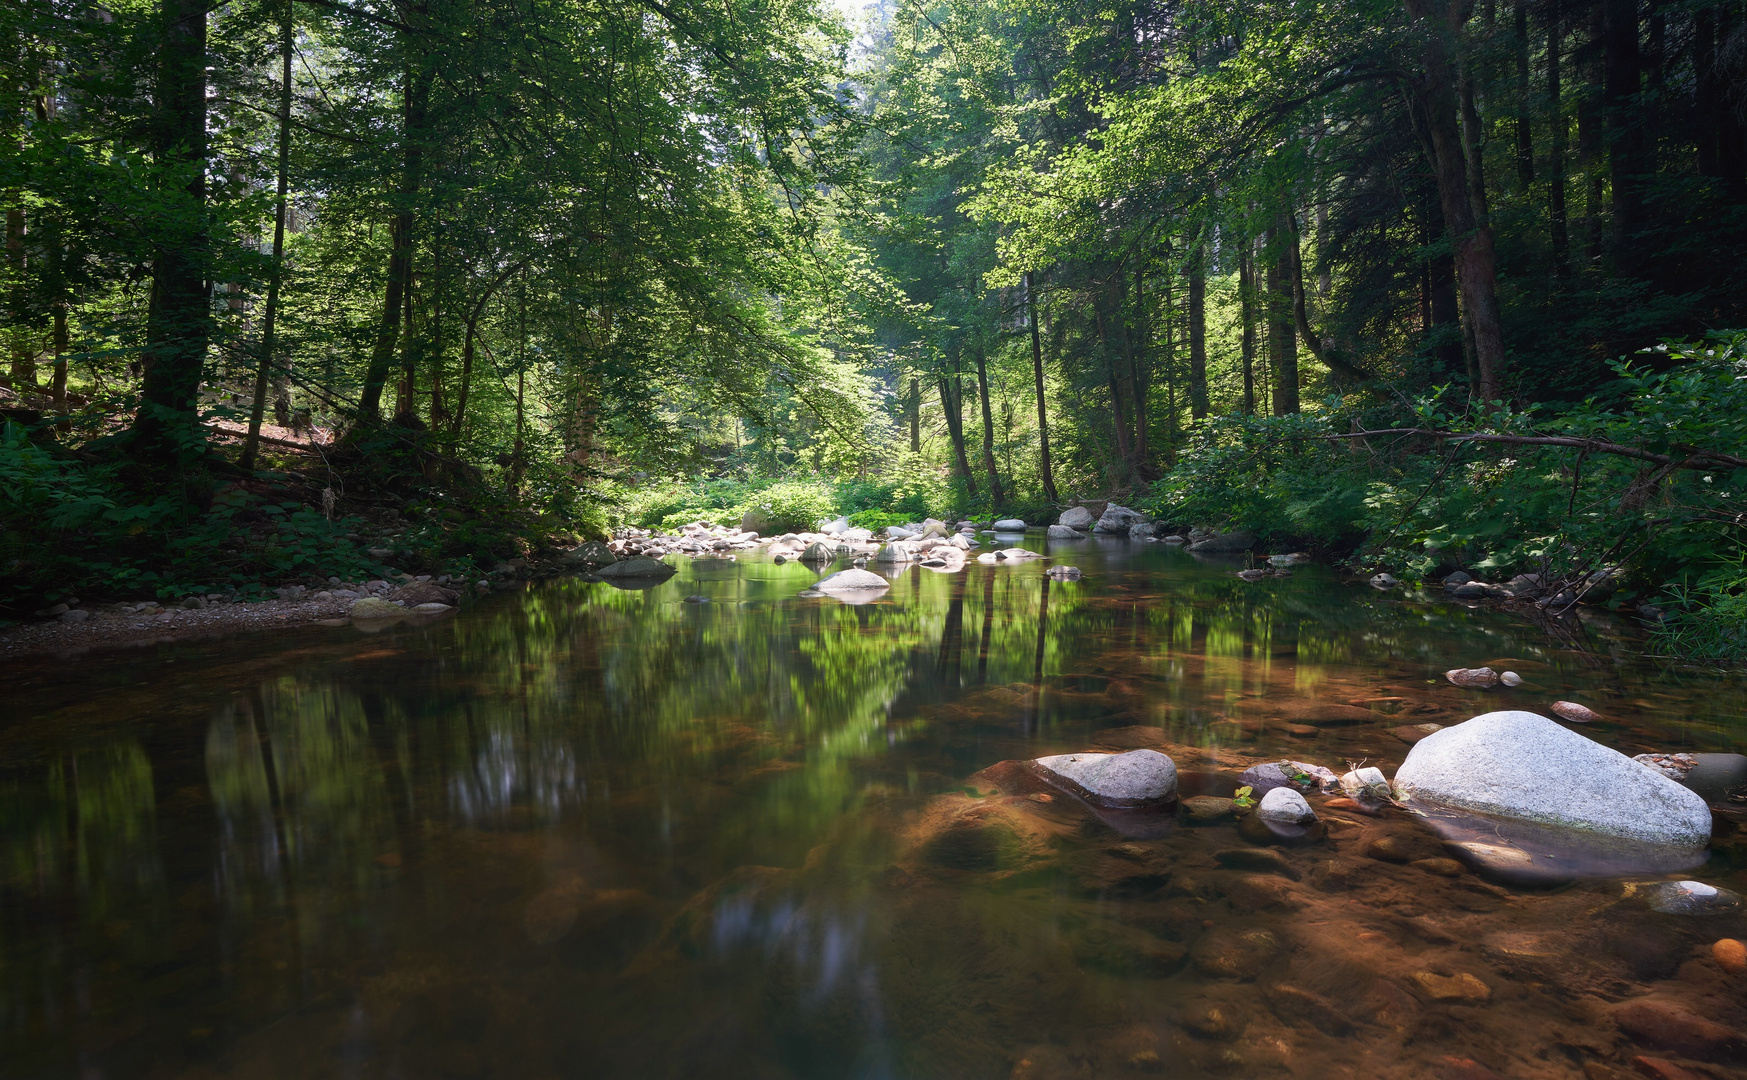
(1458, 578)
(1137, 778)
(1065, 573)
(1284, 804)
(1009, 525)
(1077, 517)
(851, 581)
(1141, 530)
(1301, 775)
(1524, 766)
(593, 553)
(1384, 581)
(1230, 543)
(835, 528)
(635, 568)
(1064, 532)
(818, 552)
(1118, 520)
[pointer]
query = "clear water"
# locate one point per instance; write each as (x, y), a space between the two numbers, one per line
(584, 832)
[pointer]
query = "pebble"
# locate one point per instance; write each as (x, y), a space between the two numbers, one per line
(1460, 987)
(1212, 1020)
(1286, 805)
(1296, 1005)
(1572, 711)
(1731, 955)
(1511, 678)
(1265, 860)
(1207, 809)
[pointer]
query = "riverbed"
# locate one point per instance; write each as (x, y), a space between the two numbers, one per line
(580, 830)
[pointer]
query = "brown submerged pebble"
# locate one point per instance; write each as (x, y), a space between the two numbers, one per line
(1461, 987)
(1572, 711)
(1731, 955)
(1668, 1026)
(1480, 678)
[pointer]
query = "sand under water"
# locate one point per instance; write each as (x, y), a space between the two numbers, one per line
(582, 831)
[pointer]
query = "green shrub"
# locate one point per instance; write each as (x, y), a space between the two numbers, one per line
(877, 519)
(792, 505)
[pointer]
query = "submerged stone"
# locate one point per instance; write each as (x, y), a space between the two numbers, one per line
(1523, 766)
(635, 568)
(1284, 804)
(1136, 778)
(1693, 898)
(1480, 678)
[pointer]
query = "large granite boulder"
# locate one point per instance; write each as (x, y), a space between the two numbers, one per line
(897, 551)
(1009, 525)
(1064, 532)
(1077, 517)
(1524, 766)
(1230, 543)
(425, 592)
(593, 553)
(1118, 519)
(1137, 778)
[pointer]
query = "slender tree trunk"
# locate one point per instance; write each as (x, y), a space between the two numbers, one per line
(282, 186)
(1282, 339)
(1198, 398)
(1708, 97)
(179, 324)
(1048, 480)
(1473, 157)
(1476, 270)
(915, 415)
(58, 389)
(1246, 287)
(406, 387)
(467, 340)
(23, 351)
(1560, 236)
(400, 250)
(1341, 369)
(1140, 377)
(1525, 137)
(952, 403)
(997, 498)
(1119, 417)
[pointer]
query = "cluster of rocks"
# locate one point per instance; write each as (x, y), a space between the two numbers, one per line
(1595, 587)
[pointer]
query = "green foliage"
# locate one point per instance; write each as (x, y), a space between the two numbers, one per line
(878, 519)
(1241, 798)
(793, 505)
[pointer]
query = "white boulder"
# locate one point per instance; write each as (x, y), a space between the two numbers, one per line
(851, 581)
(1137, 778)
(1009, 525)
(1524, 766)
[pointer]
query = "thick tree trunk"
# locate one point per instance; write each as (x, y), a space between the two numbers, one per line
(1198, 398)
(1559, 235)
(400, 254)
(1621, 80)
(178, 326)
(1589, 135)
(467, 345)
(269, 318)
(1282, 339)
(996, 496)
(1525, 137)
(1476, 271)
(1044, 474)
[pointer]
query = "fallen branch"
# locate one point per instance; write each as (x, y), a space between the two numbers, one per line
(1697, 459)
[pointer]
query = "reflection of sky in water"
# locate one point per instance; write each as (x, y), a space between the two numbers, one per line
(502, 776)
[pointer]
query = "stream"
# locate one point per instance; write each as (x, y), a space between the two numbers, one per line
(584, 831)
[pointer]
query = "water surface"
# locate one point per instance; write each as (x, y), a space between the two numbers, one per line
(579, 831)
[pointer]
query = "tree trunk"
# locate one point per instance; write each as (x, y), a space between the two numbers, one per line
(400, 250)
(1246, 287)
(466, 374)
(1140, 377)
(179, 323)
(1282, 340)
(1119, 418)
(1621, 80)
(1343, 370)
(406, 387)
(1476, 271)
(23, 352)
(1198, 399)
(1560, 237)
(952, 403)
(1525, 138)
(1589, 135)
(995, 495)
(915, 415)
(1049, 491)
(58, 390)
(269, 317)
